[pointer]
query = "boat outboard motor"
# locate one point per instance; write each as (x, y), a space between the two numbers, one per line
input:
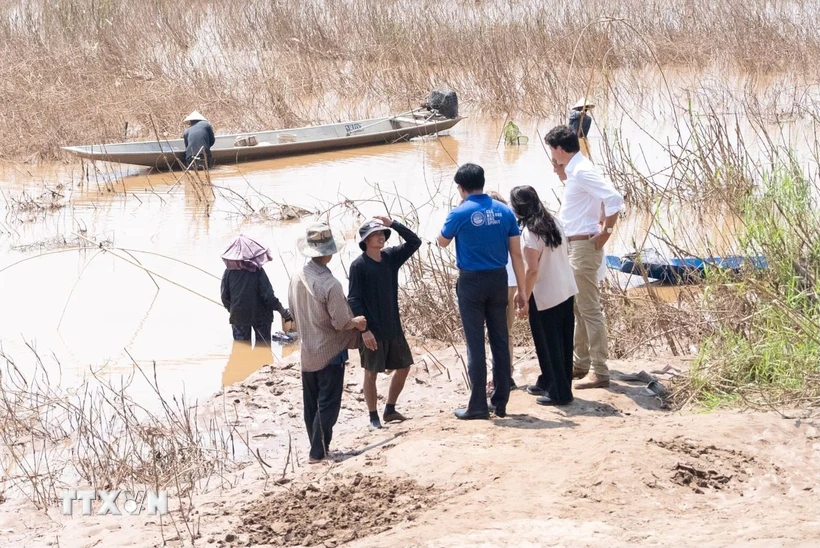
(443, 100)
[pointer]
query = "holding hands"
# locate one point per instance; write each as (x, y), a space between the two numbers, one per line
(359, 323)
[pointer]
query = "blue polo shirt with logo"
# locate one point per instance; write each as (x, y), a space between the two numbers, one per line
(482, 228)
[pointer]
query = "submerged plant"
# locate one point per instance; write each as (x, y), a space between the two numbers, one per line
(513, 135)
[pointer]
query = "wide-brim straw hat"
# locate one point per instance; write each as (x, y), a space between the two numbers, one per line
(195, 116)
(319, 240)
(582, 104)
(368, 228)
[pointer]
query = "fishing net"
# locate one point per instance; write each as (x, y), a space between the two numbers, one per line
(513, 135)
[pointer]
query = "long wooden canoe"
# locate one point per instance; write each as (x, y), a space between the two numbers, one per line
(170, 154)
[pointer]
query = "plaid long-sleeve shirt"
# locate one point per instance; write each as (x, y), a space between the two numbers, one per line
(323, 317)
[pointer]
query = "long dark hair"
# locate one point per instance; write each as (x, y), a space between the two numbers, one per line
(534, 216)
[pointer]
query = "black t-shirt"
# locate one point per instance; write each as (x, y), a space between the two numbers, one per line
(249, 297)
(374, 285)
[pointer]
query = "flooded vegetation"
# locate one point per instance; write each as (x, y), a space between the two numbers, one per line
(113, 341)
(123, 73)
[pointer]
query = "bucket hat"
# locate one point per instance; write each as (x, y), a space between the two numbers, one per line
(319, 240)
(368, 228)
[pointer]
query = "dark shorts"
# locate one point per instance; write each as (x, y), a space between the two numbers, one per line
(390, 354)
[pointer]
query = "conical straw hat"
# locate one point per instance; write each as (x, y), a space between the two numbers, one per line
(195, 116)
(582, 104)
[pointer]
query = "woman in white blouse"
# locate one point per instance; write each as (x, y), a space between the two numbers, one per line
(550, 289)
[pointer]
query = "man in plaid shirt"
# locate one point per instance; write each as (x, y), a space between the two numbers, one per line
(326, 328)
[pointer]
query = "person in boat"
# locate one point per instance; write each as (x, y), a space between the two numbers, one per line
(549, 285)
(199, 138)
(486, 233)
(512, 287)
(247, 293)
(580, 120)
(327, 327)
(585, 193)
(373, 292)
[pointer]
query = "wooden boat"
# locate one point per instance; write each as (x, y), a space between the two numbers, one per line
(170, 154)
(677, 271)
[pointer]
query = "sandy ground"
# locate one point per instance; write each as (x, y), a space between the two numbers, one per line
(613, 469)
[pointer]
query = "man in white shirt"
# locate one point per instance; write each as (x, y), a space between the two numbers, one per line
(589, 212)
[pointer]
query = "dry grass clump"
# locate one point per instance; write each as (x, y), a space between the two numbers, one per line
(61, 242)
(84, 71)
(641, 322)
(97, 435)
(26, 207)
(428, 297)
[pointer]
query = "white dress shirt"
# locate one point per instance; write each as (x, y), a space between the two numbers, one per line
(586, 189)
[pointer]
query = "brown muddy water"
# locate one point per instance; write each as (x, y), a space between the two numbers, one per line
(87, 309)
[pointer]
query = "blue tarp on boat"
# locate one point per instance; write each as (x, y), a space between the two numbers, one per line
(678, 270)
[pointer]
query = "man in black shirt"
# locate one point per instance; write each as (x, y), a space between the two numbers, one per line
(374, 294)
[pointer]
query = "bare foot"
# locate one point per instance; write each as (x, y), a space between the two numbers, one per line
(311, 460)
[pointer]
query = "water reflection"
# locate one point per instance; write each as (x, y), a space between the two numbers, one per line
(245, 358)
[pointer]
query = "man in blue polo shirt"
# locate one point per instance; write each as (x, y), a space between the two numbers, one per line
(485, 231)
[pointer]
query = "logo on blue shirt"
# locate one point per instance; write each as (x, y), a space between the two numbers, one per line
(488, 217)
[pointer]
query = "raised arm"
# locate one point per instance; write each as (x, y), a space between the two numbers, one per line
(400, 253)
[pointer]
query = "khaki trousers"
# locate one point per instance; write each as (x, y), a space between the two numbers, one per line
(590, 324)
